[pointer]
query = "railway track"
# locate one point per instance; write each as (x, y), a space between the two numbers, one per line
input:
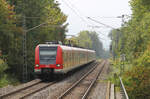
(28, 90)
(82, 87)
(21, 87)
(24, 92)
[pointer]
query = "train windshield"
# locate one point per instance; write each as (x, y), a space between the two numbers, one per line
(47, 52)
(48, 55)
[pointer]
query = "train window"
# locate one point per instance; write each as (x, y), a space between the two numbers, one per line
(73, 58)
(64, 59)
(47, 55)
(47, 52)
(68, 59)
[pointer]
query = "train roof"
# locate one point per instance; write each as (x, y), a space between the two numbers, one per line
(67, 47)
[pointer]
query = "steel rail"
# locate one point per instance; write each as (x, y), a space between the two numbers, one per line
(93, 82)
(12, 94)
(29, 94)
(77, 82)
(20, 89)
(123, 88)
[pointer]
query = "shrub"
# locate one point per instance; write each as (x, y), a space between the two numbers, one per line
(3, 67)
(137, 82)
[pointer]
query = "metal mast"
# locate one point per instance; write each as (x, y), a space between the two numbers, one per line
(25, 69)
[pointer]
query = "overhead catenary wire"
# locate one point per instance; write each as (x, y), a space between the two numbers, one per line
(25, 30)
(89, 17)
(79, 12)
(74, 11)
(107, 26)
(95, 26)
(101, 33)
(117, 17)
(42, 24)
(86, 18)
(90, 24)
(101, 23)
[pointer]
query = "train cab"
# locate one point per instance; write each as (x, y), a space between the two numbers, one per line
(52, 58)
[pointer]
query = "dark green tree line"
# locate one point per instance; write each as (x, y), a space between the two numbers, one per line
(35, 12)
(90, 39)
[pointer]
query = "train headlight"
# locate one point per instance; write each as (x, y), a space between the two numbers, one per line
(58, 65)
(37, 65)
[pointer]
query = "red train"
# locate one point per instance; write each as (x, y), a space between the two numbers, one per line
(52, 58)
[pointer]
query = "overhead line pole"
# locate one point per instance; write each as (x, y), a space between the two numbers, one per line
(25, 30)
(25, 64)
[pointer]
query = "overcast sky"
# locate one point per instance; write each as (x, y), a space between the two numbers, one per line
(104, 11)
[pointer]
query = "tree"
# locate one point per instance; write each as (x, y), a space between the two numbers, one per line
(36, 12)
(6, 26)
(89, 39)
(135, 39)
(84, 39)
(96, 44)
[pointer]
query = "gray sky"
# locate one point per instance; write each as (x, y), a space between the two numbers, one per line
(104, 11)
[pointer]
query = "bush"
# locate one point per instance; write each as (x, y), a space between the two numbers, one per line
(6, 78)
(137, 82)
(144, 60)
(3, 81)
(3, 67)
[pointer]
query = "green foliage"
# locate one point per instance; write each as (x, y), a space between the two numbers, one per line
(144, 60)
(3, 67)
(113, 76)
(6, 26)
(138, 79)
(11, 21)
(134, 42)
(3, 81)
(84, 39)
(115, 36)
(137, 82)
(8, 79)
(90, 39)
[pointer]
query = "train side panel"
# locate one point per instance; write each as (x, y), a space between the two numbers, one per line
(67, 58)
(75, 57)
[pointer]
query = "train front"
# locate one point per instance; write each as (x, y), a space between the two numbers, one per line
(47, 59)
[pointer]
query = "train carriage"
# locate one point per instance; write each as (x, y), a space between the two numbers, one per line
(53, 58)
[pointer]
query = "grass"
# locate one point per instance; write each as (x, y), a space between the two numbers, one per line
(116, 71)
(1, 61)
(8, 80)
(5, 78)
